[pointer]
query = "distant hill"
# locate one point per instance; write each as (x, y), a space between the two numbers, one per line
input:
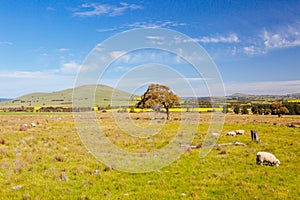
(239, 95)
(295, 95)
(63, 98)
(287, 96)
(4, 99)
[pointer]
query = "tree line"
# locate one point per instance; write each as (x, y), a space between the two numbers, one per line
(275, 108)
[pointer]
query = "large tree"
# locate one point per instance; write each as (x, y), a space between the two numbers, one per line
(278, 109)
(158, 96)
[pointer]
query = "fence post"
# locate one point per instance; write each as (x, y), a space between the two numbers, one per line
(254, 135)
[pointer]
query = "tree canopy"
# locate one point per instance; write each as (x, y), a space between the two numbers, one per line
(158, 96)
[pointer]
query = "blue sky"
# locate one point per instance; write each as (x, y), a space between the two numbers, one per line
(254, 44)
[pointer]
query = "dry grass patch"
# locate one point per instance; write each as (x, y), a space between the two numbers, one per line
(51, 159)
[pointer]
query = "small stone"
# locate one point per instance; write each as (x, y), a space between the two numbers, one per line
(17, 187)
(64, 177)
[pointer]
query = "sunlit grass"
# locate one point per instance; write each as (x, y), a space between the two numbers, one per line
(50, 162)
(138, 110)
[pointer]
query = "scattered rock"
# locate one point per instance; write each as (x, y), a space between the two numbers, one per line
(294, 124)
(64, 177)
(108, 168)
(223, 151)
(23, 127)
(84, 197)
(2, 141)
(17, 187)
(60, 158)
(183, 194)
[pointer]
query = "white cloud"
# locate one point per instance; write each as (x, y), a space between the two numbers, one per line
(149, 24)
(232, 38)
(97, 9)
(278, 40)
(250, 50)
(21, 74)
(121, 69)
(116, 54)
(49, 8)
(197, 79)
(106, 30)
(25, 82)
(156, 40)
(120, 55)
(268, 40)
(5, 43)
(71, 67)
(156, 24)
(264, 87)
(62, 49)
(154, 37)
(22, 82)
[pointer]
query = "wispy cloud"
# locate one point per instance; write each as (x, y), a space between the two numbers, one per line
(264, 87)
(49, 8)
(62, 49)
(279, 38)
(116, 54)
(67, 68)
(5, 43)
(102, 30)
(251, 50)
(71, 67)
(232, 38)
(197, 79)
(21, 74)
(121, 69)
(25, 82)
(154, 37)
(147, 24)
(98, 9)
(156, 24)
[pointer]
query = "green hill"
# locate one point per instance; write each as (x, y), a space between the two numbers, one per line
(239, 95)
(103, 97)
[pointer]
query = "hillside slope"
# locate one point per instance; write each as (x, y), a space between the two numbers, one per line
(103, 97)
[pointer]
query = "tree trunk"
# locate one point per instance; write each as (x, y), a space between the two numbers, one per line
(168, 113)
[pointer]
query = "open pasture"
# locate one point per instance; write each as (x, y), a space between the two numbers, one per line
(49, 161)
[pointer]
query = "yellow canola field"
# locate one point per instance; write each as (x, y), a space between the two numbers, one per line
(137, 110)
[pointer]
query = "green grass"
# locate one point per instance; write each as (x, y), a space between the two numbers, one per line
(103, 97)
(50, 162)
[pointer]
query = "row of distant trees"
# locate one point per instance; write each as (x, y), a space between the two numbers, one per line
(275, 108)
(160, 96)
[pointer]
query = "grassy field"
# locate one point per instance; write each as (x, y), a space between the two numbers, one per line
(49, 161)
(104, 95)
(138, 110)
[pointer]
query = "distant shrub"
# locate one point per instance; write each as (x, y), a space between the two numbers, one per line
(223, 151)
(2, 141)
(60, 158)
